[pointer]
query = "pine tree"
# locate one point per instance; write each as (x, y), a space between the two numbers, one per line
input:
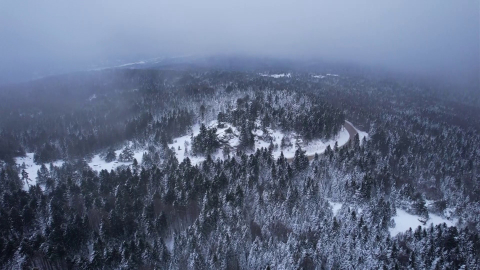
(111, 155)
(126, 155)
(247, 139)
(42, 174)
(300, 161)
(25, 177)
(206, 142)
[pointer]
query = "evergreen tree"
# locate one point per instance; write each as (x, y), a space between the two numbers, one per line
(111, 155)
(42, 174)
(300, 161)
(126, 155)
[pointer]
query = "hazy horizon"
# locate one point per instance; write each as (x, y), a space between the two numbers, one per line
(428, 38)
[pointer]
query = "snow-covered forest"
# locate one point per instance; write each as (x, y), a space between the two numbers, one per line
(211, 169)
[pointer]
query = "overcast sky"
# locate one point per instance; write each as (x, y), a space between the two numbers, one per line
(427, 36)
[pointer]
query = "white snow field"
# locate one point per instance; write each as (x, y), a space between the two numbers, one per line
(276, 76)
(180, 143)
(31, 168)
(336, 206)
(404, 221)
(263, 138)
(99, 164)
(96, 164)
(131, 64)
(318, 146)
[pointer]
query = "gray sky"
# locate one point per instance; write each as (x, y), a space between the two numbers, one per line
(429, 36)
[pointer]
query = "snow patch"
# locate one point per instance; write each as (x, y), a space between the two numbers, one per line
(170, 244)
(276, 76)
(404, 221)
(31, 168)
(449, 212)
(319, 146)
(263, 138)
(336, 206)
(318, 76)
(315, 146)
(225, 132)
(131, 64)
(98, 163)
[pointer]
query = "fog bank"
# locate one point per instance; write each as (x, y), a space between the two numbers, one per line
(426, 37)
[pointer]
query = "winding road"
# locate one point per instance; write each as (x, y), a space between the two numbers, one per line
(351, 132)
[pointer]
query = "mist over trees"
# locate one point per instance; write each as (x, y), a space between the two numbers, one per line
(427, 38)
(244, 209)
(240, 134)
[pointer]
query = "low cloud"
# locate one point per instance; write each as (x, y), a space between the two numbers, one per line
(425, 37)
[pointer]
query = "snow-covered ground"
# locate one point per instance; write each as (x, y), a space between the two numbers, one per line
(179, 144)
(227, 133)
(318, 146)
(318, 76)
(404, 221)
(312, 147)
(361, 134)
(276, 76)
(336, 206)
(99, 163)
(31, 168)
(96, 164)
(263, 138)
(315, 146)
(333, 75)
(170, 243)
(131, 64)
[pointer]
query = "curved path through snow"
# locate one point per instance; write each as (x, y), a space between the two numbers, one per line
(351, 134)
(351, 130)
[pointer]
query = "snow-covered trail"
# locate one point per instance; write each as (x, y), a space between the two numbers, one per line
(352, 131)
